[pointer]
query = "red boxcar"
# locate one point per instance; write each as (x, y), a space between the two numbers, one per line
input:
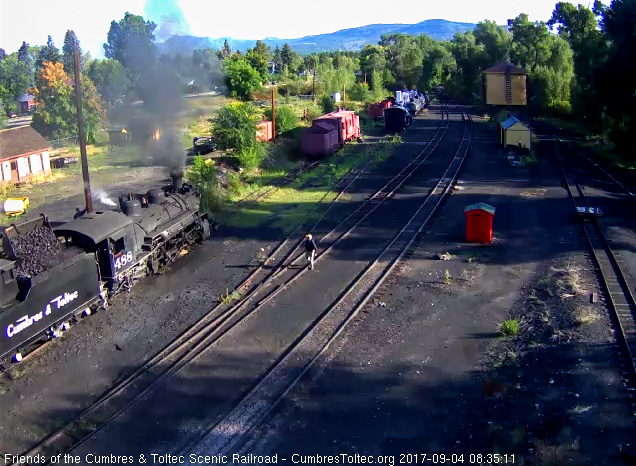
(264, 131)
(377, 110)
(347, 122)
(320, 139)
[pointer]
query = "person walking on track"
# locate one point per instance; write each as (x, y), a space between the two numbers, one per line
(310, 250)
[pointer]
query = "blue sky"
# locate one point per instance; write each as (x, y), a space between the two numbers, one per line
(239, 19)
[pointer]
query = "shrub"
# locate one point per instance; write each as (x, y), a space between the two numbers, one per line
(213, 199)
(251, 157)
(286, 119)
(234, 184)
(202, 174)
(327, 104)
(510, 328)
(234, 126)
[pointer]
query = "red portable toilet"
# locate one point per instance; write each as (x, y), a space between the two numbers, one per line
(479, 223)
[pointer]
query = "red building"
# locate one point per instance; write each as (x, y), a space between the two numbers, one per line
(26, 103)
(24, 153)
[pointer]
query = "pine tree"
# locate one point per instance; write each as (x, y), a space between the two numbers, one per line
(47, 53)
(278, 61)
(226, 51)
(68, 54)
(23, 53)
(286, 55)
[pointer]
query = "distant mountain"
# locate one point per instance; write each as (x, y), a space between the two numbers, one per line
(346, 39)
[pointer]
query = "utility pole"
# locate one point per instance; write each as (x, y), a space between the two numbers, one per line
(273, 113)
(313, 92)
(344, 93)
(82, 137)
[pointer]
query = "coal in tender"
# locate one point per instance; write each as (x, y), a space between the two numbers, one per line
(35, 251)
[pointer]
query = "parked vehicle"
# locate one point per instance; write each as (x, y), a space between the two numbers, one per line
(203, 145)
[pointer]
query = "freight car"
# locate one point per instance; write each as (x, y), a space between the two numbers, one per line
(346, 122)
(52, 275)
(376, 110)
(330, 132)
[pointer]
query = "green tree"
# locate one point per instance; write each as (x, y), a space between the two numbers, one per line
(48, 53)
(495, 40)
(109, 77)
(27, 55)
(579, 26)
(23, 53)
(530, 46)
(226, 50)
(373, 63)
(258, 58)
(278, 60)
(131, 42)
(14, 80)
(617, 78)
(286, 55)
(470, 58)
(242, 79)
(3, 54)
(438, 66)
(68, 52)
(404, 58)
(207, 67)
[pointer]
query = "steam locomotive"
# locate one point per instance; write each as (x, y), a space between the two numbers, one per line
(52, 275)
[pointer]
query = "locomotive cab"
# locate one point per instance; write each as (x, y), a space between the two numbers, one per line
(110, 235)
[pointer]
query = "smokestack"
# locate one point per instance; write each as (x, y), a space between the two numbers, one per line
(177, 179)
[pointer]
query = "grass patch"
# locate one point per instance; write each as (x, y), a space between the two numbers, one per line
(534, 192)
(509, 328)
(17, 372)
(3, 390)
(585, 316)
(230, 297)
(286, 206)
(447, 278)
(83, 427)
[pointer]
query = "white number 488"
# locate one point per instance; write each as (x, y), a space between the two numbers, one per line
(123, 260)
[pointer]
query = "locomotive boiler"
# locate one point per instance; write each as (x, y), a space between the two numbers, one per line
(50, 275)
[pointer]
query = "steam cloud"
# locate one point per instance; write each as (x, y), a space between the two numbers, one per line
(103, 197)
(169, 18)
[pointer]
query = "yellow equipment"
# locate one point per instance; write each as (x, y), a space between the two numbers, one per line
(16, 206)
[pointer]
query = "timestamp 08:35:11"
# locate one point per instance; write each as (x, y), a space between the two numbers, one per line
(460, 458)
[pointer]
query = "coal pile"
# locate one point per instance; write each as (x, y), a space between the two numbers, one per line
(36, 251)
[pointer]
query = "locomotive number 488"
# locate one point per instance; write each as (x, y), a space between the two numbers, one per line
(123, 259)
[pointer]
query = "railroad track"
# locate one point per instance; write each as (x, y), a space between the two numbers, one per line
(618, 295)
(627, 190)
(217, 323)
(232, 431)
